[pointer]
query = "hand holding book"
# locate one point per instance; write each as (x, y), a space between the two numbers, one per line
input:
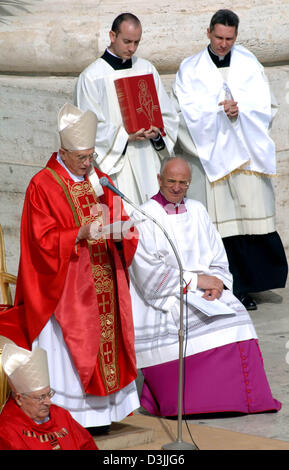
(142, 134)
(139, 105)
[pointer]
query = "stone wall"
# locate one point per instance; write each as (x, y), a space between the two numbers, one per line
(63, 37)
(44, 49)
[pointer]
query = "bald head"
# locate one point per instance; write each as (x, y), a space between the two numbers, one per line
(175, 162)
(174, 178)
(125, 36)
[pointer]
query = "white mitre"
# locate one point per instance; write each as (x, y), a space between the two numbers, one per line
(27, 371)
(3, 341)
(77, 128)
(77, 131)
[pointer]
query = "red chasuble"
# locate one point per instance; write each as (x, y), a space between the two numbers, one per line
(60, 432)
(84, 285)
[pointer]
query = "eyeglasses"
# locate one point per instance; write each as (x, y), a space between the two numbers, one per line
(82, 158)
(91, 157)
(42, 398)
(183, 183)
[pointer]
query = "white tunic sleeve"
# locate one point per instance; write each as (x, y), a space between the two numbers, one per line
(154, 271)
(224, 146)
(156, 281)
(111, 136)
(154, 287)
(169, 114)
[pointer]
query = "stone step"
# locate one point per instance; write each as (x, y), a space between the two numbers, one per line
(143, 432)
(124, 435)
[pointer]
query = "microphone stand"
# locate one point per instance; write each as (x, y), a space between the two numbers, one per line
(179, 444)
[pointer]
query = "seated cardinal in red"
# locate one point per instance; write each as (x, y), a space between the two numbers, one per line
(28, 420)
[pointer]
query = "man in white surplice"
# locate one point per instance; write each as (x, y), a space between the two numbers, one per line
(214, 318)
(131, 160)
(226, 109)
(155, 278)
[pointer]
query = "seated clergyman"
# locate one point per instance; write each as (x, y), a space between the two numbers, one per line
(29, 421)
(223, 368)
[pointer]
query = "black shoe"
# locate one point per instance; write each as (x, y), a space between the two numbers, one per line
(248, 302)
(97, 430)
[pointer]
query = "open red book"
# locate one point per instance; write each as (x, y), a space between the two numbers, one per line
(139, 104)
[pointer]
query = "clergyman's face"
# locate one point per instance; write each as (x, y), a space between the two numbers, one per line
(77, 161)
(175, 180)
(222, 39)
(32, 407)
(126, 41)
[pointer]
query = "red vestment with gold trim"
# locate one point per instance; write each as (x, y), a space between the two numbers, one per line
(60, 432)
(84, 285)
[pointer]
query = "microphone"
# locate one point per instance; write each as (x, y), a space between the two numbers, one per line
(179, 444)
(104, 182)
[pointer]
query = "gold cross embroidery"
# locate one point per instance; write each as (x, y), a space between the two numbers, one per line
(99, 254)
(103, 303)
(89, 204)
(107, 353)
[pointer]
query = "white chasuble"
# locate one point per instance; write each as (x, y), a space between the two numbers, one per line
(229, 200)
(224, 146)
(133, 169)
(155, 287)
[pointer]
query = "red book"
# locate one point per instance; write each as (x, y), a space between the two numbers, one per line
(139, 103)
